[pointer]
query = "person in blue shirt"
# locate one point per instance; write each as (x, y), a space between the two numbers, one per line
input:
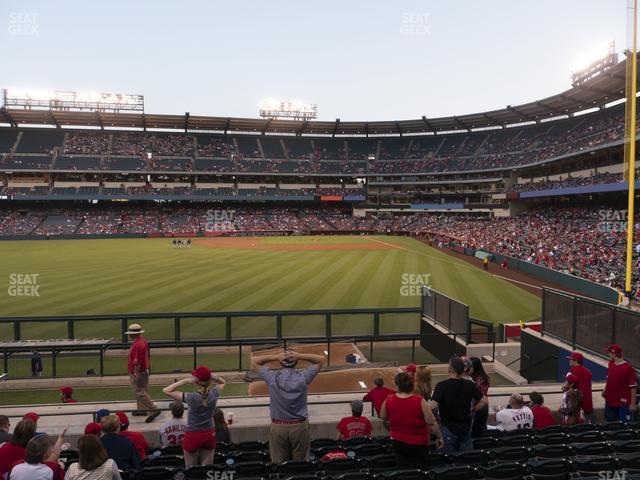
(120, 449)
(289, 431)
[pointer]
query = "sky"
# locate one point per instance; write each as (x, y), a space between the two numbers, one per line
(356, 59)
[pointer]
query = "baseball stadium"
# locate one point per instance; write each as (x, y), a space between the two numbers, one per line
(140, 252)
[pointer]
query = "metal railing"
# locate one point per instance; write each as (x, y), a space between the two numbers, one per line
(274, 320)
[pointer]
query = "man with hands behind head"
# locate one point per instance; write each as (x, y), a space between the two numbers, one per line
(288, 387)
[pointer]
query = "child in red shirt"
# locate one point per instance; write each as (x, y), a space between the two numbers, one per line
(542, 416)
(355, 426)
(378, 395)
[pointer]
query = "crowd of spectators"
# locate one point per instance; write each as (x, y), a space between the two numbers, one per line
(87, 143)
(586, 242)
(442, 153)
(567, 182)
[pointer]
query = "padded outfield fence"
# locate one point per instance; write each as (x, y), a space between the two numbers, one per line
(590, 324)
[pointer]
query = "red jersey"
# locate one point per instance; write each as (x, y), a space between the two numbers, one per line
(139, 356)
(138, 441)
(542, 416)
(621, 378)
(377, 396)
(9, 455)
(406, 420)
(354, 427)
(584, 374)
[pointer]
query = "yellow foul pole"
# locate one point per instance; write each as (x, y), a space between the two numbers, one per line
(630, 144)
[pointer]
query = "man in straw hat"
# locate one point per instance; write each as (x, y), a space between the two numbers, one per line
(138, 366)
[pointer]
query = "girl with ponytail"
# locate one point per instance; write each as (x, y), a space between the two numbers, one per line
(199, 441)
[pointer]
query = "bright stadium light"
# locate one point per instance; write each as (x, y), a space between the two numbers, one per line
(588, 56)
(35, 99)
(593, 61)
(272, 108)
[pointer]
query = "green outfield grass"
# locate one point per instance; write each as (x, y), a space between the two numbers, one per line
(148, 275)
(100, 394)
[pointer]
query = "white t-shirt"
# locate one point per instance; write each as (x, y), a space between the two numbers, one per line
(514, 418)
(172, 431)
(27, 471)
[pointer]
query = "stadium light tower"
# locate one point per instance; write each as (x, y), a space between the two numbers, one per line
(71, 101)
(593, 63)
(288, 109)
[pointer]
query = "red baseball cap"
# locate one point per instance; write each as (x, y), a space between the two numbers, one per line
(67, 391)
(93, 428)
(31, 416)
(202, 373)
(572, 378)
(124, 420)
(615, 349)
(411, 368)
(577, 356)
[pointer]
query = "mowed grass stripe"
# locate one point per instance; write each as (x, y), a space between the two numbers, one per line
(90, 285)
(357, 281)
(318, 289)
(227, 285)
(248, 282)
(286, 290)
(166, 295)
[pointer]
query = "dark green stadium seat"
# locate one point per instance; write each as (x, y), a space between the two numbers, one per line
(591, 449)
(517, 441)
(473, 457)
(618, 435)
(553, 439)
(381, 463)
(511, 454)
(629, 462)
(453, 472)
(486, 443)
(367, 449)
(503, 471)
(626, 447)
(551, 466)
(341, 465)
(155, 473)
(595, 465)
(551, 451)
(612, 426)
(581, 427)
(252, 469)
(293, 467)
(588, 436)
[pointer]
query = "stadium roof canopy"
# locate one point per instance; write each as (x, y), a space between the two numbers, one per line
(598, 91)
